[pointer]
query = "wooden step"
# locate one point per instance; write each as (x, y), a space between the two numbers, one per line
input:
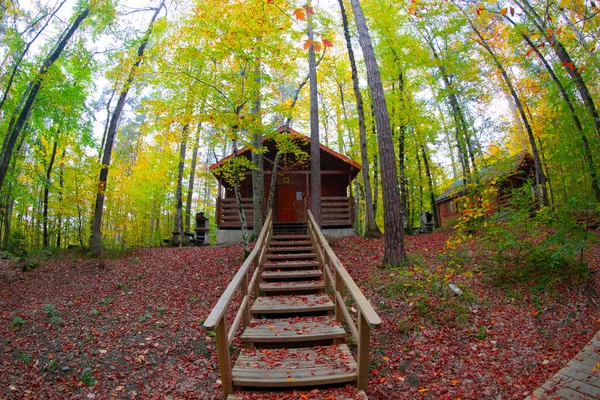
(292, 274)
(290, 243)
(291, 286)
(298, 394)
(289, 330)
(291, 265)
(293, 256)
(292, 304)
(289, 237)
(298, 248)
(294, 367)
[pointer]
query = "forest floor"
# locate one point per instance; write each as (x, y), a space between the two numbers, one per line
(130, 327)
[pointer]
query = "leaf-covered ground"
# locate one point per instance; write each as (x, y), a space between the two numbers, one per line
(131, 327)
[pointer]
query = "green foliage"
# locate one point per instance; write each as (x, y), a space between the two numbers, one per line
(420, 286)
(52, 314)
(18, 323)
(523, 246)
(26, 358)
(16, 244)
(87, 377)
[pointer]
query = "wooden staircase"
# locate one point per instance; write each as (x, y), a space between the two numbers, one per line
(293, 313)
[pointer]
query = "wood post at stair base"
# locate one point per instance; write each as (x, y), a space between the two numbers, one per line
(224, 357)
(364, 339)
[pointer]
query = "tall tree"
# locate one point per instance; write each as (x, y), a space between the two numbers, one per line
(540, 177)
(96, 235)
(21, 114)
(372, 228)
(315, 140)
(395, 253)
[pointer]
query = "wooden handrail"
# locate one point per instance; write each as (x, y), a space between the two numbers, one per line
(219, 309)
(359, 298)
(216, 319)
(367, 317)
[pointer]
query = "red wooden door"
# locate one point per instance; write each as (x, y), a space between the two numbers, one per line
(286, 203)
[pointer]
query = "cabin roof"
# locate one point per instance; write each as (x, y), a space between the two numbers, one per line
(500, 169)
(330, 154)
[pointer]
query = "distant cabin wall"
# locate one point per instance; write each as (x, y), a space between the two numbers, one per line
(447, 210)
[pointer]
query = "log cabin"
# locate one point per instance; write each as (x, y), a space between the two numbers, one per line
(292, 189)
(511, 173)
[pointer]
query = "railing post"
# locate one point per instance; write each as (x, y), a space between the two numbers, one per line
(339, 283)
(364, 344)
(224, 357)
(244, 290)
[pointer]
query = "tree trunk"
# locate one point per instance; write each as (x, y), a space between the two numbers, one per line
(61, 186)
(431, 187)
(106, 124)
(402, 162)
(238, 200)
(96, 235)
(179, 235)
(447, 137)
(393, 236)
(540, 178)
(456, 113)
(190, 191)
(258, 174)
(46, 240)
(17, 123)
(315, 143)
(376, 183)
(420, 171)
(273, 183)
(372, 230)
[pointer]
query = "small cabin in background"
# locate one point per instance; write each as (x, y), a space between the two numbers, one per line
(510, 173)
(292, 191)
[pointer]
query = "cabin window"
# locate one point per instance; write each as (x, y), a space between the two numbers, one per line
(450, 207)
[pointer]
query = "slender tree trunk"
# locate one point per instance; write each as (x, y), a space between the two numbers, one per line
(18, 122)
(402, 160)
(46, 239)
(372, 230)
(238, 200)
(315, 143)
(190, 190)
(106, 124)
(393, 236)
(456, 112)
(420, 171)
(431, 187)
(540, 177)
(273, 182)
(376, 183)
(96, 235)
(258, 174)
(178, 228)
(447, 137)
(61, 186)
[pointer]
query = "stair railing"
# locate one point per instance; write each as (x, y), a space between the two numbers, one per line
(338, 280)
(217, 319)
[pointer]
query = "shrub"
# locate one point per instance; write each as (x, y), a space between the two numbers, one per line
(18, 323)
(521, 245)
(52, 314)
